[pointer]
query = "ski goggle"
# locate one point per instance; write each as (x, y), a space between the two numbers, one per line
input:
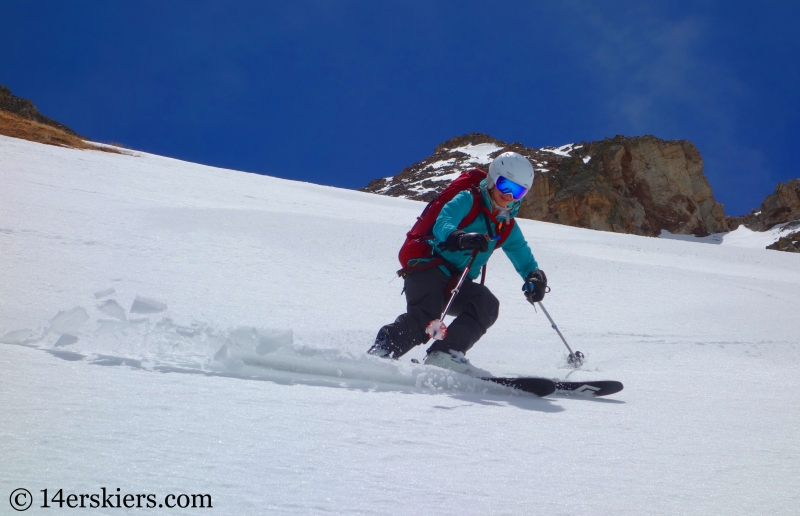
(508, 186)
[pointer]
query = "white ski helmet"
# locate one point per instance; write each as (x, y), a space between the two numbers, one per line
(512, 166)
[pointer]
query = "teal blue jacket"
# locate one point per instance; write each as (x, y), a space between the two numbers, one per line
(515, 246)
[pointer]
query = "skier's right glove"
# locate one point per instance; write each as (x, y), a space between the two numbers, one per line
(535, 286)
(459, 241)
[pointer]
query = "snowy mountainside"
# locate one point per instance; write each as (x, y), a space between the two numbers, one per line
(171, 327)
(423, 180)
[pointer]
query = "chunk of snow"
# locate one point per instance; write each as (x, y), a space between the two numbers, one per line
(114, 309)
(20, 337)
(104, 293)
(142, 305)
(68, 321)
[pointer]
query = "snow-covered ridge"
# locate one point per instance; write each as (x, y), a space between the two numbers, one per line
(423, 180)
(445, 170)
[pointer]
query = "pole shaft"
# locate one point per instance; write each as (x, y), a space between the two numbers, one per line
(457, 287)
(553, 324)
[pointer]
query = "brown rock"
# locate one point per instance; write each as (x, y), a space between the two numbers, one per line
(633, 185)
(783, 205)
(789, 243)
(19, 118)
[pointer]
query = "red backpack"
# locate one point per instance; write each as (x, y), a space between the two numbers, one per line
(416, 245)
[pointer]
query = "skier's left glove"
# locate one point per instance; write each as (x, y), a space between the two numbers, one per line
(535, 286)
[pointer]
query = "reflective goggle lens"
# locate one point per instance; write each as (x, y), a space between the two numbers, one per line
(508, 186)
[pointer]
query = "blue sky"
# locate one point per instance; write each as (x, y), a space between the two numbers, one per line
(341, 92)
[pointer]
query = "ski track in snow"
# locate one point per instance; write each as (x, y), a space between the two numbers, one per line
(171, 327)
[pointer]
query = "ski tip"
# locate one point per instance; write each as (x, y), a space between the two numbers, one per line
(589, 389)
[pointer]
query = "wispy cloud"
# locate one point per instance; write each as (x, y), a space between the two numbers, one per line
(652, 68)
(656, 71)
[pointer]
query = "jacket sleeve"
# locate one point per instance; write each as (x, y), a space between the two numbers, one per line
(451, 215)
(518, 251)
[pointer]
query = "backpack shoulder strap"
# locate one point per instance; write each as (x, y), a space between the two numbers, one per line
(479, 207)
(475, 210)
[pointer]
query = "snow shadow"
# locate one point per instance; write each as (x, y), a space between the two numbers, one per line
(65, 355)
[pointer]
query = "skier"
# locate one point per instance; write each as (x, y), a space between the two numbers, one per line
(430, 280)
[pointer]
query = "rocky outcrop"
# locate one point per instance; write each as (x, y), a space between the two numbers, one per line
(790, 243)
(639, 185)
(19, 118)
(781, 207)
(24, 108)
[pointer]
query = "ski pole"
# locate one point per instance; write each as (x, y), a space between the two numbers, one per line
(436, 328)
(574, 358)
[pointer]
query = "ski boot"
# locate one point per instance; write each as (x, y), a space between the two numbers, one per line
(382, 347)
(456, 362)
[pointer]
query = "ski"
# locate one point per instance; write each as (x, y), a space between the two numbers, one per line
(538, 386)
(544, 387)
(588, 389)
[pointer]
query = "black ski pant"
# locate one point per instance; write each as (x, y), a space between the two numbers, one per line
(475, 307)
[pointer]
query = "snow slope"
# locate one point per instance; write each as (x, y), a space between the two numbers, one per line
(168, 327)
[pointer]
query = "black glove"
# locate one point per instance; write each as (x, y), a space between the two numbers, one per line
(535, 286)
(459, 241)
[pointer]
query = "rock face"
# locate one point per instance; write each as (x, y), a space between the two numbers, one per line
(639, 185)
(780, 207)
(25, 109)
